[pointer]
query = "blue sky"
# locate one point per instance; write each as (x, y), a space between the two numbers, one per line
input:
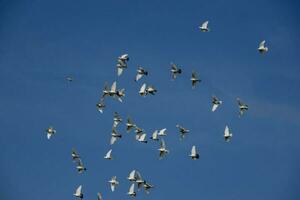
(41, 42)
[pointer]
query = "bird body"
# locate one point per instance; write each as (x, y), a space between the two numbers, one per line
(194, 155)
(108, 155)
(215, 103)
(262, 48)
(78, 193)
(50, 131)
(204, 27)
(227, 134)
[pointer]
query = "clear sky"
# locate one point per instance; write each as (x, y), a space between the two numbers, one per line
(41, 42)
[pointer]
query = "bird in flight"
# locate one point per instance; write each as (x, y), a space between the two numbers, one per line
(122, 63)
(140, 73)
(194, 155)
(162, 150)
(195, 79)
(215, 103)
(113, 183)
(262, 48)
(227, 134)
(183, 131)
(204, 27)
(78, 193)
(242, 106)
(50, 131)
(108, 155)
(175, 70)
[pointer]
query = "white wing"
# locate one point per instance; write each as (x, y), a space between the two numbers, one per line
(78, 190)
(262, 44)
(120, 70)
(138, 77)
(162, 132)
(154, 135)
(131, 189)
(112, 187)
(113, 140)
(193, 152)
(132, 175)
(205, 24)
(113, 87)
(226, 131)
(214, 107)
(108, 154)
(162, 144)
(99, 197)
(49, 135)
(143, 89)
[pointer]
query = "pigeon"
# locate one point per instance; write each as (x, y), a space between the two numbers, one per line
(114, 136)
(242, 106)
(99, 196)
(117, 119)
(129, 124)
(183, 131)
(195, 79)
(143, 91)
(204, 27)
(100, 105)
(194, 155)
(113, 183)
(132, 176)
(162, 132)
(75, 155)
(154, 135)
(80, 167)
(139, 180)
(120, 93)
(262, 48)
(131, 191)
(227, 134)
(175, 70)
(140, 73)
(78, 193)
(50, 131)
(121, 65)
(162, 150)
(215, 103)
(108, 155)
(151, 90)
(138, 131)
(147, 187)
(142, 138)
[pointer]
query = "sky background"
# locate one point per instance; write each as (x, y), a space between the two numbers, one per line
(42, 42)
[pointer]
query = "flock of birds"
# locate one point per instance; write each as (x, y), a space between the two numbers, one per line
(135, 177)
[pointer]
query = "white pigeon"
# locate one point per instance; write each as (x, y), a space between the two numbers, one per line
(50, 131)
(75, 155)
(142, 138)
(143, 91)
(138, 131)
(131, 191)
(175, 70)
(195, 79)
(69, 78)
(162, 132)
(129, 124)
(162, 150)
(262, 48)
(108, 155)
(194, 155)
(99, 196)
(117, 119)
(140, 73)
(132, 176)
(227, 134)
(183, 131)
(113, 183)
(154, 135)
(78, 193)
(215, 103)
(120, 93)
(242, 106)
(204, 27)
(80, 167)
(139, 180)
(100, 106)
(114, 136)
